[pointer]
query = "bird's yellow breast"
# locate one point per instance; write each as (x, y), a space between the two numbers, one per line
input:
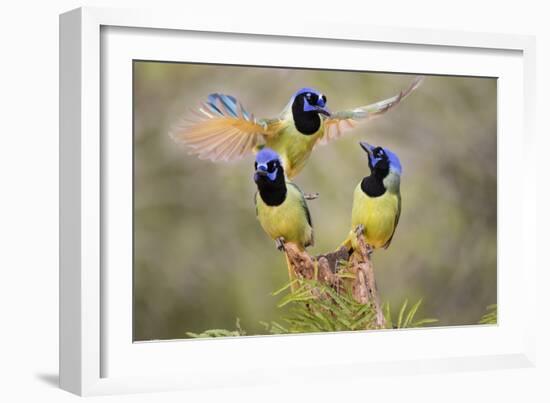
(376, 214)
(293, 147)
(287, 220)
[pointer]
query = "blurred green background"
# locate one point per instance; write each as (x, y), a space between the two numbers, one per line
(201, 259)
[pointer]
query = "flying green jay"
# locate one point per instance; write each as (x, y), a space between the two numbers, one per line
(223, 130)
(376, 200)
(280, 205)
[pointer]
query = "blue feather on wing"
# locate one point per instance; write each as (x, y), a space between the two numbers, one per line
(226, 105)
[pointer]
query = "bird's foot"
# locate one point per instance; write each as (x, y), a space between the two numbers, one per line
(280, 243)
(311, 196)
(369, 251)
(359, 230)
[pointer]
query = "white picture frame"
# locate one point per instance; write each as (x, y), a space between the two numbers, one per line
(96, 354)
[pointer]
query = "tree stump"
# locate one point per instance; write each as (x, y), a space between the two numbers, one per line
(327, 267)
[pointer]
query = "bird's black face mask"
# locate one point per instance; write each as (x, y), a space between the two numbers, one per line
(307, 107)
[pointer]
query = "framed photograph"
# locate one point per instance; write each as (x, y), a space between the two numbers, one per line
(236, 201)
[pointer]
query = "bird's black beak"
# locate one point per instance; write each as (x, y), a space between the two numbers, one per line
(261, 170)
(260, 175)
(322, 110)
(319, 107)
(322, 105)
(367, 147)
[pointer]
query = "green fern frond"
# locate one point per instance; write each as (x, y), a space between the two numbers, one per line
(387, 315)
(490, 317)
(406, 319)
(316, 307)
(239, 331)
(285, 287)
(401, 313)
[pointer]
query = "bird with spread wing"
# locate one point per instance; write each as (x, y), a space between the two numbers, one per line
(223, 130)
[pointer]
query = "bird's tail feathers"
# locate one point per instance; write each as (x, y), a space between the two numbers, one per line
(347, 243)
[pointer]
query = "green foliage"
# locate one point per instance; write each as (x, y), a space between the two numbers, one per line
(321, 310)
(405, 319)
(220, 332)
(315, 307)
(490, 317)
(329, 311)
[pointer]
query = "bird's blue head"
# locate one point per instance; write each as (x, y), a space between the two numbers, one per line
(267, 165)
(382, 160)
(310, 100)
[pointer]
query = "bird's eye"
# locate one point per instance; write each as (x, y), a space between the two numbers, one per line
(378, 152)
(308, 95)
(271, 166)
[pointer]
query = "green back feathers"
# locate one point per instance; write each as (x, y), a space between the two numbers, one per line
(302, 202)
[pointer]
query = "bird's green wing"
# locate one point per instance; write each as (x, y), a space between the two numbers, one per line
(223, 130)
(303, 203)
(396, 221)
(340, 122)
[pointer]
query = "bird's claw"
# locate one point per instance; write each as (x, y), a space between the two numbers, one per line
(369, 250)
(311, 196)
(280, 243)
(359, 230)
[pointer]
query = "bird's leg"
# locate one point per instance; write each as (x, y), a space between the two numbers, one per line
(359, 230)
(280, 243)
(311, 196)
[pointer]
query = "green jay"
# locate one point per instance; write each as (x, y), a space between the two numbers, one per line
(223, 130)
(377, 200)
(280, 205)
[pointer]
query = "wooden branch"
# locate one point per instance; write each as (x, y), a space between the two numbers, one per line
(365, 269)
(311, 196)
(327, 268)
(301, 262)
